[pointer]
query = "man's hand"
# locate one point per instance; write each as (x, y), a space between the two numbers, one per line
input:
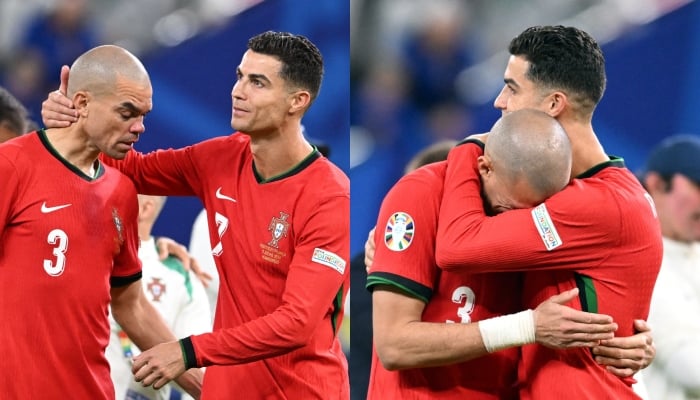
(369, 250)
(57, 110)
(558, 326)
(624, 356)
(159, 365)
(167, 247)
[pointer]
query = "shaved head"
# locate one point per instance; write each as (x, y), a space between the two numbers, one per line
(531, 147)
(97, 70)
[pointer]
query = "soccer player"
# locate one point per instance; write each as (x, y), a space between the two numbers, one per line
(278, 214)
(599, 234)
(177, 294)
(13, 117)
(69, 240)
(424, 340)
(672, 177)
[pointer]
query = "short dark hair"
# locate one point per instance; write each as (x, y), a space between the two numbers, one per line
(565, 58)
(13, 115)
(302, 63)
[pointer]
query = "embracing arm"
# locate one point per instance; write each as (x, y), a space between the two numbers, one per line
(402, 340)
(146, 328)
(515, 240)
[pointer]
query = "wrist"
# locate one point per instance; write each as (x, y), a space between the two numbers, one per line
(188, 355)
(508, 331)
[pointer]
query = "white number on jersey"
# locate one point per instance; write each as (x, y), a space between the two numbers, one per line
(221, 225)
(463, 294)
(59, 240)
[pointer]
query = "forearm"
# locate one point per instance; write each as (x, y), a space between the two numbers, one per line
(158, 173)
(272, 335)
(425, 344)
(142, 323)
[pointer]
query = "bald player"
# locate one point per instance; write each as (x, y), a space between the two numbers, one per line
(68, 225)
(434, 330)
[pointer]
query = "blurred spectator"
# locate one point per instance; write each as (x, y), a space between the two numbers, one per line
(434, 55)
(13, 117)
(672, 177)
(52, 39)
(25, 79)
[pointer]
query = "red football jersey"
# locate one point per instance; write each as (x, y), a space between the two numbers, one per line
(600, 233)
(281, 248)
(404, 258)
(63, 238)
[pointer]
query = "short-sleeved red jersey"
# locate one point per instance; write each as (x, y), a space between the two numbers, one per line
(404, 258)
(600, 233)
(281, 247)
(63, 238)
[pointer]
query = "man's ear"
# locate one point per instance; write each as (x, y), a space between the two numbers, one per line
(80, 101)
(556, 102)
(300, 101)
(654, 183)
(485, 166)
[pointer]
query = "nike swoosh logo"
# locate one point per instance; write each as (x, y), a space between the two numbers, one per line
(223, 196)
(47, 210)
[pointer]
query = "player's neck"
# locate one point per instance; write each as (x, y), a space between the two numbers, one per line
(587, 152)
(74, 150)
(276, 155)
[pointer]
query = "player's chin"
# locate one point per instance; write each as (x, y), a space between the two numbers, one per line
(237, 124)
(119, 154)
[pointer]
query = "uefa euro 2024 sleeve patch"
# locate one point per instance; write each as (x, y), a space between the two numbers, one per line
(329, 259)
(545, 226)
(398, 234)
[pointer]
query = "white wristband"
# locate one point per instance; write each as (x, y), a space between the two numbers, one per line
(508, 331)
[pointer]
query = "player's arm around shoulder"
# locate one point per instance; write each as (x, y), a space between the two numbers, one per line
(569, 227)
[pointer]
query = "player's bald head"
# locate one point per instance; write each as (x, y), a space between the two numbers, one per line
(97, 70)
(532, 146)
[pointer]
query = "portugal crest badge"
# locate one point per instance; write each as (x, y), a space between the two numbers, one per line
(156, 288)
(278, 227)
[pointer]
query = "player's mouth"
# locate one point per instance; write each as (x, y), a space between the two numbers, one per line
(128, 145)
(237, 112)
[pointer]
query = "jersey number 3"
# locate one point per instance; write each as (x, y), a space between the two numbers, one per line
(59, 241)
(463, 295)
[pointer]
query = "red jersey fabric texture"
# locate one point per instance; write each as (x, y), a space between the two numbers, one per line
(405, 259)
(600, 233)
(64, 236)
(281, 247)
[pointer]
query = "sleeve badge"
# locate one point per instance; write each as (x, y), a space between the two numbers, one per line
(398, 234)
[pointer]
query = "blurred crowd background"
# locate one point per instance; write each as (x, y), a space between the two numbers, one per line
(427, 70)
(191, 49)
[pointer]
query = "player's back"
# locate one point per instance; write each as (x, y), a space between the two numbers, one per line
(404, 259)
(619, 283)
